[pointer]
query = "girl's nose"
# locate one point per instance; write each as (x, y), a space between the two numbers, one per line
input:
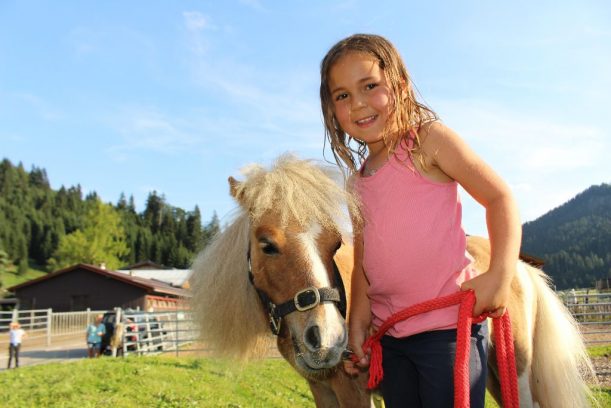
(358, 102)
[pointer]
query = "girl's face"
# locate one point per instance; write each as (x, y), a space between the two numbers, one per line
(361, 98)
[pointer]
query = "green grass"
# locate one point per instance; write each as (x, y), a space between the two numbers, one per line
(155, 382)
(599, 351)
(164, 382)
(11, 278)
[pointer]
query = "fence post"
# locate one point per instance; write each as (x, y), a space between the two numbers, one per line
(176, 334)
(49, 324)
(15, 317)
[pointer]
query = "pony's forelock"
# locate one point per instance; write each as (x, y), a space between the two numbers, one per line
(301, 191)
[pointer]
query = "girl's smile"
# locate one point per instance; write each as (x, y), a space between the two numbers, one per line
(366, 122)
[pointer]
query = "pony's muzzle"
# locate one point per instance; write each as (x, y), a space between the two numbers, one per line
(323, 349)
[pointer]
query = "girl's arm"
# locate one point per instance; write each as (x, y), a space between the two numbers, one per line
(450, 155)
(359, 319)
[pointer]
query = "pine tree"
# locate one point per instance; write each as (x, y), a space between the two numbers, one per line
(195, 234)
(211, 229)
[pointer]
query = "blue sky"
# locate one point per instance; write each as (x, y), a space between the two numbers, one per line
(175, 96)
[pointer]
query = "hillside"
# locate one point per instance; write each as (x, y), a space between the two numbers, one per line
(47, 229)
(574, 239)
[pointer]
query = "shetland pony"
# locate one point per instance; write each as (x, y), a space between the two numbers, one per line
(276, 273)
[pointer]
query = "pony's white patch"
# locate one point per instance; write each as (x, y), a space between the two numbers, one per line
(309, 238)
(334, 329)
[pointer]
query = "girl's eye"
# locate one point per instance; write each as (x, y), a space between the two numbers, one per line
(341, 97)
(370, 86)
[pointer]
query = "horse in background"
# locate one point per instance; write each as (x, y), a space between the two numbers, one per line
(276, 273)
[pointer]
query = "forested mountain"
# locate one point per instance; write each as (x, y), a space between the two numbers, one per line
(50, 229)
(574, 239)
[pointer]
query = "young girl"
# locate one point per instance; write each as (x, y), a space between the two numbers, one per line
(16, 335)
(405, 167)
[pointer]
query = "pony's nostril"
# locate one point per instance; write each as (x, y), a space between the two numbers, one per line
(312, 337)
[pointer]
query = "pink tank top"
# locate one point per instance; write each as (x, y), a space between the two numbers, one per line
(414, 244)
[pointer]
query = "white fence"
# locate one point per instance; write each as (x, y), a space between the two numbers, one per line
(44, 324)
(155, 332)
(593, 312)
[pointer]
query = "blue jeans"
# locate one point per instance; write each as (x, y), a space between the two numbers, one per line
(418, 370)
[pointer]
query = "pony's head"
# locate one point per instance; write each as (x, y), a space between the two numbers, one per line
(293, 216)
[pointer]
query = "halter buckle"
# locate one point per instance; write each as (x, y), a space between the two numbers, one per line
(307, 299)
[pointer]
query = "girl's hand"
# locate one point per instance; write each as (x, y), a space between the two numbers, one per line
(491, 293)
(355, 344)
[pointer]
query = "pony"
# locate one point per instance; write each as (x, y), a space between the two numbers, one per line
(280, 271)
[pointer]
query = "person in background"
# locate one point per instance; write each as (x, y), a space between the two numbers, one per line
(17, 334)
(94, 334)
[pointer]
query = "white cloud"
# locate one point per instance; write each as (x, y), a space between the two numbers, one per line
(195, 21)
(149, 129)
(254, 4)
(271, 111)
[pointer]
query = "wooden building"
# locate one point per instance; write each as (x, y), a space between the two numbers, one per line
(85, 286)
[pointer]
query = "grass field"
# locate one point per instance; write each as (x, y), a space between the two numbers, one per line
(11, 278)
(163, 382)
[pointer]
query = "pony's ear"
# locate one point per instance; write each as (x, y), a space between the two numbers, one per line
(235, 189)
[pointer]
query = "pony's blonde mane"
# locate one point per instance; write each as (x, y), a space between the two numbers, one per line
(228, 309)
(299, 189)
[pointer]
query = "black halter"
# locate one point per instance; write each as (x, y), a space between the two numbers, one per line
(303, 300)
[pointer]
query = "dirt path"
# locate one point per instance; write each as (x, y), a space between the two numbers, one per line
(35, 351)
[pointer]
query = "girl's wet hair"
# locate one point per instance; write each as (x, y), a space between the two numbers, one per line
(407, 113)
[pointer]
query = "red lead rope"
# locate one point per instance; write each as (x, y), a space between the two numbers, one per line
(505, 354)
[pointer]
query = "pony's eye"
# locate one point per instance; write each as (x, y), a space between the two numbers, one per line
(268, 248)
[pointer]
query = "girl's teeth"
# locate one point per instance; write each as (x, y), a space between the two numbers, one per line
(366, 120)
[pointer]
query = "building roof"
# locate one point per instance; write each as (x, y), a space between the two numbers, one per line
(149, 285)
(148, 264)
(175, 277)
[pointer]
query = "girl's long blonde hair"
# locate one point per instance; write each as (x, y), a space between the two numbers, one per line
(407, 112)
